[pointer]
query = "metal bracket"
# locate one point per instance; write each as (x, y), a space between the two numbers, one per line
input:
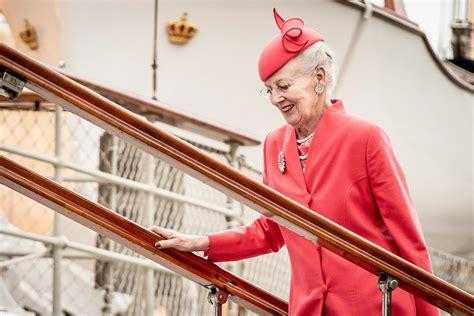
(386, 284)
(368, 9)
(11, 85)
(217, 297)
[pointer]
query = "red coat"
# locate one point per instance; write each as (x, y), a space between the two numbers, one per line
(353, 178)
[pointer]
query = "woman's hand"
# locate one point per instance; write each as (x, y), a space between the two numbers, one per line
(180, 241)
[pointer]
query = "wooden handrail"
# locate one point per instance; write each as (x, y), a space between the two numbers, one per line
(136, 237)
(143, 106)
(116, 120)
(140, 105)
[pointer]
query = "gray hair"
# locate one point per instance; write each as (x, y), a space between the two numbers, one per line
(320, 54)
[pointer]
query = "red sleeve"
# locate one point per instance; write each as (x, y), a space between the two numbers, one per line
(393, 199)
(261, 237)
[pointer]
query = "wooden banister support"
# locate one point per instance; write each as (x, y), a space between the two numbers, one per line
(116, 120)
(136, 237)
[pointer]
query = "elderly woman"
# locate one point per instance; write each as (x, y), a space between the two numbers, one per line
(337, 164)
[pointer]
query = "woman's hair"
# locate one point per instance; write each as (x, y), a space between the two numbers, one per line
(320, 54)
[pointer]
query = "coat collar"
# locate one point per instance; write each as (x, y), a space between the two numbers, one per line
(293, 165)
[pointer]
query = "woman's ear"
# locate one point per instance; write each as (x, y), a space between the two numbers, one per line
(320, 74)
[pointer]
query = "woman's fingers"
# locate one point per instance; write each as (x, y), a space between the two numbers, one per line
(166, 233)
(167, 243)
(179, 241)
(171, 239)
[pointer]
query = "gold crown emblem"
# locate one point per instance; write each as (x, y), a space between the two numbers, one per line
(28, 35)
(181, 31)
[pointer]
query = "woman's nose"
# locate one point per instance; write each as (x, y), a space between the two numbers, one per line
(276, 98)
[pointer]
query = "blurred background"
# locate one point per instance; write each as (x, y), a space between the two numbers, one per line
(405, 65)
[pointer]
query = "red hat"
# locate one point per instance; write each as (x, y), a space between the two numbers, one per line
(293, 39)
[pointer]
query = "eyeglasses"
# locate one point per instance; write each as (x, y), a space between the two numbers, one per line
(282, 87)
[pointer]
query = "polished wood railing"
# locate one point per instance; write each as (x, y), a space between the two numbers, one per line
(116, 120)
(140, 105)
(136, 237)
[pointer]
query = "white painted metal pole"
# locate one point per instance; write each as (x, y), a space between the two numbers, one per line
(148, 221)
(149, 292)
(57, 249)
(29, 256)
(95, 252)
(109, 266)
(113, 179)
(237, 266)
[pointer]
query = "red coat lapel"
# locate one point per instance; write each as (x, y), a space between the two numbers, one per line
(290, 182)
(321, 138)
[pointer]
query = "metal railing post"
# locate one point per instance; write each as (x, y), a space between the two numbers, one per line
(217, 297)
(238, 266)
(109, 265)
(57, 249)
(148, 221)
(387, 285)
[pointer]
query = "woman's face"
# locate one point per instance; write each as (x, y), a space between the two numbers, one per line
(291, 90)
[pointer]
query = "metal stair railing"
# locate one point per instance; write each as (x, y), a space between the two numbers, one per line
(19, 70)
(138, 238)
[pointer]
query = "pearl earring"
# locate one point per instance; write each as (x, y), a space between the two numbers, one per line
(319, 88)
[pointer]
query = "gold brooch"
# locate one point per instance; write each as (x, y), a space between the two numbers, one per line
(281, 162)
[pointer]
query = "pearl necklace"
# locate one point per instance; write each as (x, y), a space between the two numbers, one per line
(300, 143)
(304, 140)
(303, 157)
